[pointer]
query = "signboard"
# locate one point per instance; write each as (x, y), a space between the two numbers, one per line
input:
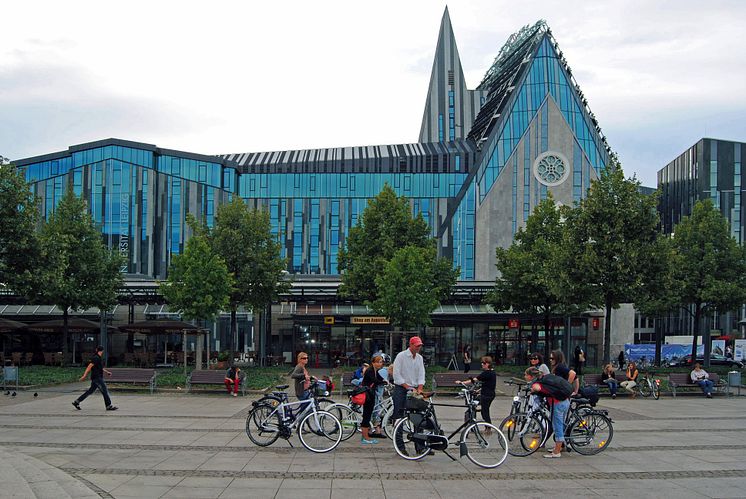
(513, 324)
(369, 320)
(595, 323)
(328, 320)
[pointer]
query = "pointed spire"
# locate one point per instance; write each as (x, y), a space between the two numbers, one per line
(450, 107)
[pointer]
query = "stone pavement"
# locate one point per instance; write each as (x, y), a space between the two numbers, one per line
(179, 445)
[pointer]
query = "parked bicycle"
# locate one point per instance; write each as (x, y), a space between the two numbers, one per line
(588, 431)
(351, 415)
(648, 385)
(419, 433)
(319, 431)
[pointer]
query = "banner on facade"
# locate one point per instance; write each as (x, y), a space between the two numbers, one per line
(646, 352)
(369, 320)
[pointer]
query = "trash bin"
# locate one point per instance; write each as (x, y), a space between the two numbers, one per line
(734, 380)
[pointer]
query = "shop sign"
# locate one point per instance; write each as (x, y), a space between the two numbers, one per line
(596, 323)
(329, 319)
(513, 324)
(369, 320)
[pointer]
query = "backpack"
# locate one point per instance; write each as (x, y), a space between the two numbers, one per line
(591, 393)
(358, 374)
(555, 387)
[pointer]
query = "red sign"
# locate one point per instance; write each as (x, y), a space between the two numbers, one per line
(595, 323)
(513, 324)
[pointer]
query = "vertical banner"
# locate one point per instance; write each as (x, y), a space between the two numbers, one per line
(739, 350)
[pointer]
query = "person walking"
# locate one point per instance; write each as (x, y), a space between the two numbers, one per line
(578, 360)
(96, 370)
(467, 358)
(702, 378)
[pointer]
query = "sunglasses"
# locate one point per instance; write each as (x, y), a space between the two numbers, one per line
(303, 358)
(534, 358)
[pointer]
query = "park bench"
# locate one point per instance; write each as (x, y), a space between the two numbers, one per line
(133, 375)
(346, 383)
(595, 380)
(448, 380)
(212, 377)
(683, 380)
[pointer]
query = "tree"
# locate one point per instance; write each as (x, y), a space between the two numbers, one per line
(386, 226)
(20, 248)
(405, 287)
(609, 238)
(711, 267)
(198, 282)
(78, 270)
(529, 280)
(243, 238)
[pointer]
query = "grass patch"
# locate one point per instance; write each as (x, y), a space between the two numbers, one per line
(49, 375)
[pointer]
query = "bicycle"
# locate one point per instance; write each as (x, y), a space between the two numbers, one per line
(319, 431)
(648, 385)
(584, 426)
(419, 433)
(279, 396)
(351, 415)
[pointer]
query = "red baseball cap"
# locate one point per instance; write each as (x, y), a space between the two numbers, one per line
(415, 341)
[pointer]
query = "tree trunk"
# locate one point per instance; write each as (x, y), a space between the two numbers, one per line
(695, 333)
(658, 341)
(234, 333)
(607, 334)
(65, 335)
(547, 335)
(258, 336)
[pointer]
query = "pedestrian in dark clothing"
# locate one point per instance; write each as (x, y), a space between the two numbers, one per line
(488, 378)
(578, 360)
(621, 359)
(467, 358)
(97, 370)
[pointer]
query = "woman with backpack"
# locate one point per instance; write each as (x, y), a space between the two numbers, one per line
(557, 391)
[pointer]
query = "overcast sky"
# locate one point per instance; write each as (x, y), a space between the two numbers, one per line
(225, 77)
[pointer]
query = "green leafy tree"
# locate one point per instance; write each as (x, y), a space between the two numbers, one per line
(529, 278)
(243, 238)
(385, 227)
(405, 287)
(608, 239)
(78, 270)
(198, 282)
(20, 248)
(710, 272)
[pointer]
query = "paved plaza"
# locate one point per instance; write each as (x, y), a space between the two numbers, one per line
(179, 445)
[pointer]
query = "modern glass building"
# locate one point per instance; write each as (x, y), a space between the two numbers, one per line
(484, 159)
(710, 169)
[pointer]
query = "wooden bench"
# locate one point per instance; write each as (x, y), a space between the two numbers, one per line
(448, 380)
(133, 375)
(212, 377)
(595, 380)
(683, 380)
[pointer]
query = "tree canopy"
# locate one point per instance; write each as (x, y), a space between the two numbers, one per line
(198, 282)
(20, 248)
(78, 270)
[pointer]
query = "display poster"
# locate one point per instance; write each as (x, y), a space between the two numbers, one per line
(669, 353)
(739, 351)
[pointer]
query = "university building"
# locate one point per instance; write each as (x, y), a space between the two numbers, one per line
(485, 158)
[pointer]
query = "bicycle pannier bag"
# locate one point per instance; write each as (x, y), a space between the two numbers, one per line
(555, 387)
(359, 394)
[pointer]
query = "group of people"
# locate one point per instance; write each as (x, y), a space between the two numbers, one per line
(609, 377)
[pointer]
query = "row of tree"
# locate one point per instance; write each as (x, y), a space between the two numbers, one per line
(608, 250)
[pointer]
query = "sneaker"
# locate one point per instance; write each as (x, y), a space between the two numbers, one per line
(613, 396)
(709, 395)
(552, 455)
(112, 408)
(76, 404)
(376, 435)
(372, 441)
(235, 394)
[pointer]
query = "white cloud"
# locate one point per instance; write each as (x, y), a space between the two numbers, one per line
(239, 76)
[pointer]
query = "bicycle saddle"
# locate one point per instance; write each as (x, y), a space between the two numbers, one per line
(580, 400)
(282, 387)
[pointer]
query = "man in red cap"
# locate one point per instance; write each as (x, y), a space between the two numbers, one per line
(409, 374)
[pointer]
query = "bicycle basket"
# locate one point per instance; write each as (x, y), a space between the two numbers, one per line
(416, 404)
(320, 388)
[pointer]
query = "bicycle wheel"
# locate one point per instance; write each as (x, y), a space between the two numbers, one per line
(645, 388)
(408, 440)
(387, 422)
(263, 425)
(320, 432)
(486, 446)
(523, 433)
(656, 391)
(590, 434)
(349, 419)
(325, 403)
